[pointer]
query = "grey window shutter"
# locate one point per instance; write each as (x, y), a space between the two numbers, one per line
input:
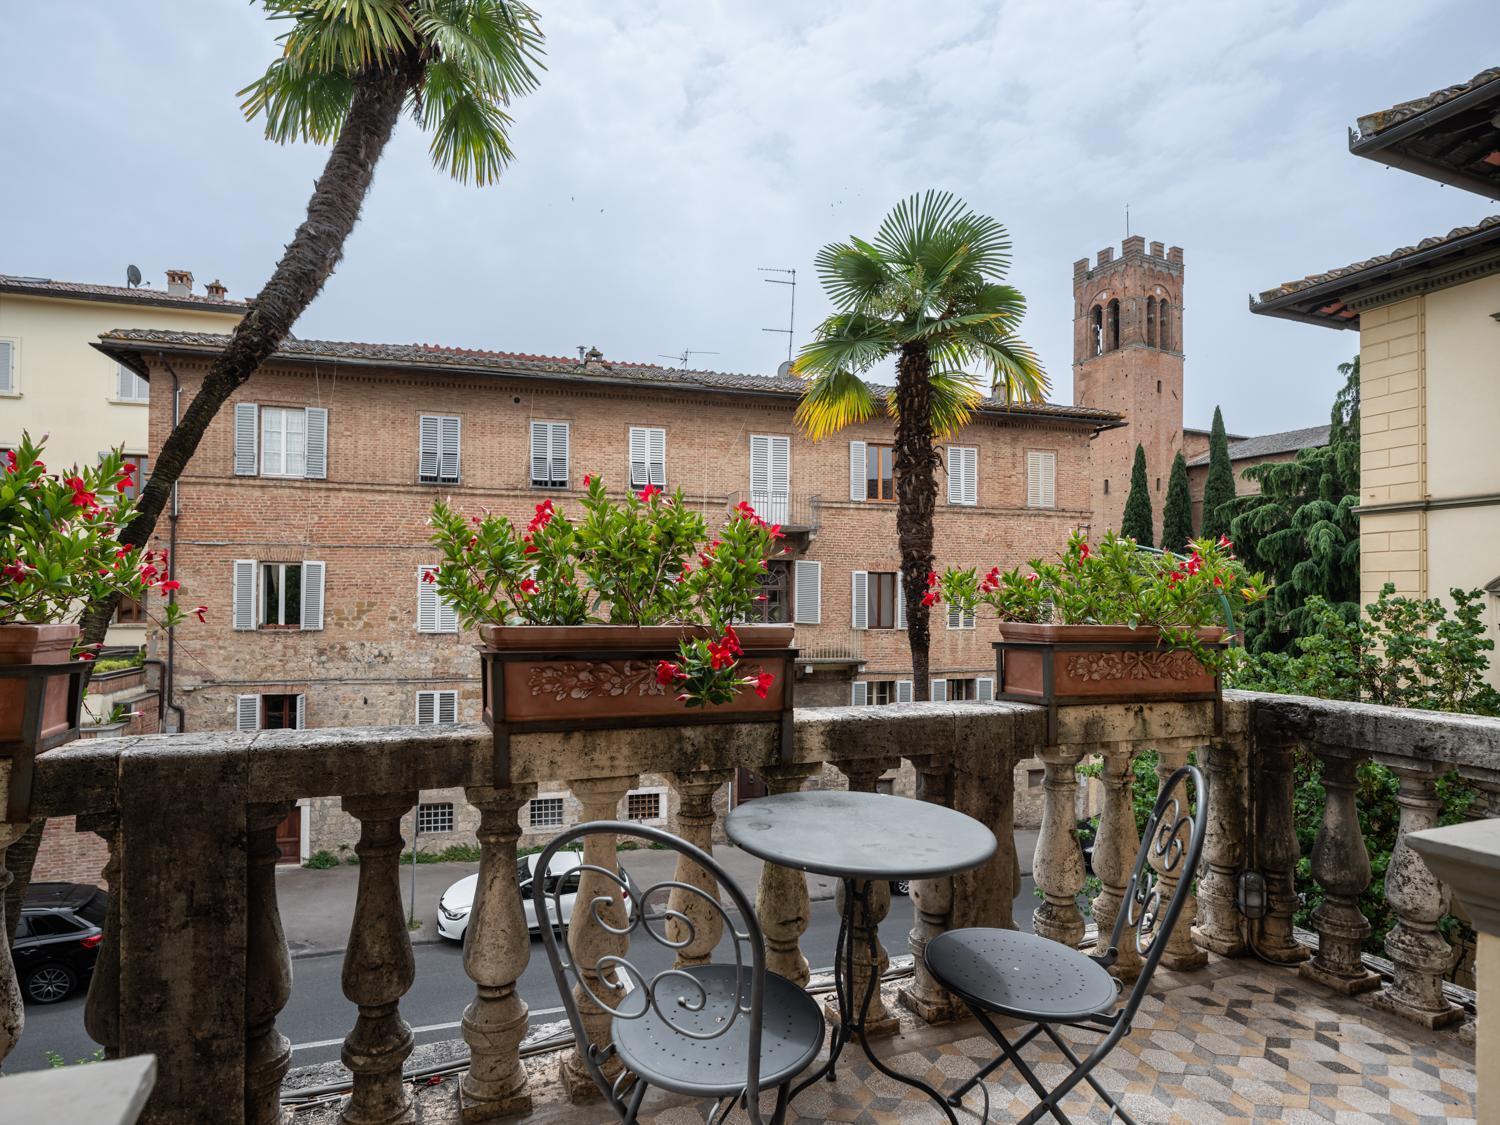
(760, 468)
(900, 598)
(449, 449)
(955, 476)
(858, 488)
(656, 454)
(984, 689)
(903, 691)
(559, 453)
(807, 590)
(447, 616)
(860, 618)
(859, 693)
(971, 476)
(426, 708)
(312, 595)
(7, 367)
(123, 386)
(427, 602)
(640, 469)
(939, 691)
(429, 437)
(247, 712)
(447, 707)
(244, 593)
(301, 712)
(317, 443)
(781, 481)
(541, 452)
(246, 434)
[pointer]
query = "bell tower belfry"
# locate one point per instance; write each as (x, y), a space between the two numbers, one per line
(1127, 357)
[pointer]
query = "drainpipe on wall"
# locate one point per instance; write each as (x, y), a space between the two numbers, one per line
(170, 670)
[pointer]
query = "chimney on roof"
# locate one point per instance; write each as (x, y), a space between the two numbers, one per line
(591, 359)
(180, 283)
(216, 290)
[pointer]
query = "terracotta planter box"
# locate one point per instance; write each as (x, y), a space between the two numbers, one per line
(1063, 665)
(41, 697)
(577, 677)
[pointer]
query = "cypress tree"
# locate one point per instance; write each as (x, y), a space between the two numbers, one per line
(1137, 521)
(1218, 490)
(1177, 519)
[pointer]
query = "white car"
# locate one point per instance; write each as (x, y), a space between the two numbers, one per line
(458, 900)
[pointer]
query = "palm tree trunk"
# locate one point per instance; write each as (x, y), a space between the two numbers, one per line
(306, 264)
(916, 496)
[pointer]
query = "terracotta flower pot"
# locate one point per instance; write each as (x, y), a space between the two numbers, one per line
(585, 675)
(1060, 665)
(35, 645)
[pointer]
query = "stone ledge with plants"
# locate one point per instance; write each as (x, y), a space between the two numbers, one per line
(1112, 623)
(632, 609)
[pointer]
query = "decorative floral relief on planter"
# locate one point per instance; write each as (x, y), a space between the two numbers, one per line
(584, 681)
(1176, 664)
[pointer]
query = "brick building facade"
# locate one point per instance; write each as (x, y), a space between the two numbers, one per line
(302, 523)
(1128, 359)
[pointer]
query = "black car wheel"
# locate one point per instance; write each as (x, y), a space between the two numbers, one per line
(47, 984)
(900, 887)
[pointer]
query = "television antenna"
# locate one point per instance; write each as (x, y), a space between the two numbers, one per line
(682, 357)
(132, 276)
(791, 322)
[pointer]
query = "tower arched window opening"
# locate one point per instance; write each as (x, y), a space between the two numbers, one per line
(1151, 322)
(1096, 331)
(1112, 328)
(1164, 326)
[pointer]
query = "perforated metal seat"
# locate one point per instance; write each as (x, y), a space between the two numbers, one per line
(1021, 975)
(791, 1035)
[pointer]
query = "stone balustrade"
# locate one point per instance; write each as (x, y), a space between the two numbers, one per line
(194, 966)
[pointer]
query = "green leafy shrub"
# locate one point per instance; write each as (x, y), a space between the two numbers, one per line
(321, 860)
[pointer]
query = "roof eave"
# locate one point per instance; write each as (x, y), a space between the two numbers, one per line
(161, 301)
(1377, 146)
(130, 353)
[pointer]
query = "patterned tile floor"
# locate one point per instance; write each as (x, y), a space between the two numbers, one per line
(1238, 1041)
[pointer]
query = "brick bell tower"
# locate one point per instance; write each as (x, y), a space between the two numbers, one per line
(1127, 357)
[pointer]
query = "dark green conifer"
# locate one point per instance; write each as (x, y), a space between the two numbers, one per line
(1137, 521)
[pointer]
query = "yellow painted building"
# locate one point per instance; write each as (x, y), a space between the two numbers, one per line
(53, 382)
(1428, 318)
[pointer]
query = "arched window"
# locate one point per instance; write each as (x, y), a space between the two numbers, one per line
(1151, 322)
(1096, 331)
(1164, 326)
(1112, 329)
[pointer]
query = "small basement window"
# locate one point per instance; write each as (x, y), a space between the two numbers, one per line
(546, 812)
(435, 817)
(643, 806)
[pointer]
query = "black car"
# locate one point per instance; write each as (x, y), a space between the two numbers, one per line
(57, 939)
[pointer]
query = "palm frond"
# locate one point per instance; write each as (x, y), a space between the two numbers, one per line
(833, 400)
(955, 396)
(927, 230)
(852, 273)
(1015, 373)
(470, 138)
(497, 43)
(298, 105)
(845, 342)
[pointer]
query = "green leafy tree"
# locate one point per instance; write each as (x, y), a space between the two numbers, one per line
(1177, 517)
(1218, 489)
(1137, 520)
(926, 291)
(1302, 530)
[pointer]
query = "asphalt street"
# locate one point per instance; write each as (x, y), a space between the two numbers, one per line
(318, 1016)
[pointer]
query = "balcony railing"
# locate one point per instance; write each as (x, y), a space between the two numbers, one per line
(796, 512)
(195, 970)
(829, 646)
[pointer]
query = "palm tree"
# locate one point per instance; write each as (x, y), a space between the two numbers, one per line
(926, 291)
(346, 72)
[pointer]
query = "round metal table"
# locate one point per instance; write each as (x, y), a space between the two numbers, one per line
(862, 839)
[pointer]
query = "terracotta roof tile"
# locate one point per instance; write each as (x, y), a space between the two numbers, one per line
(1372, 123)
(480, 361)
(140, 295)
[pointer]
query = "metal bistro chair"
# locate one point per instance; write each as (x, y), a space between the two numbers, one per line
(723, 1032)
(1043, 982)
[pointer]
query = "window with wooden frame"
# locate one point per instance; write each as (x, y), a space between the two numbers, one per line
(880, 472)
(128, 611)
(882, 594)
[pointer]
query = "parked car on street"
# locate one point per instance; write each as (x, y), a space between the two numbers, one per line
(562, 874)
(57, 939)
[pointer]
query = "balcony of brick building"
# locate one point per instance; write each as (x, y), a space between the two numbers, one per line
(1250, 1017)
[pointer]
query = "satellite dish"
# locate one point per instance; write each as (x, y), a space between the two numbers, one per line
(785, 369)
(132, 276)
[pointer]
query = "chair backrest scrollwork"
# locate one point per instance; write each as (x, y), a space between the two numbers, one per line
(673, 995)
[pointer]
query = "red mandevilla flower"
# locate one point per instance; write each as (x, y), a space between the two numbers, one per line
(85, 656)
(762, 683)
(169, 585)
(588, 479)
(10, 461)
(667, 672)
(530, 587)
(932, 579)
(429, 576)
(201, 611)
(649, 493)
(931, 598)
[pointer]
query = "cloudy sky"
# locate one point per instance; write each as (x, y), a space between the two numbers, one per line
(675, 147)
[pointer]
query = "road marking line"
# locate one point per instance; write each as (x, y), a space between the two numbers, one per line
(415, 1031)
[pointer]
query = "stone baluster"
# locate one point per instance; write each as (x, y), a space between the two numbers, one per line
(1221, 927)
(695, 824)
(268, 968)
(1277, 851)
(1490, 786)
(781, 901)
(869, 954)
(1115, 848)
(497, 946)
(12, 1012)
(1058, 864)
(1418, 953)
(101, 1010)
(1341, 865)
(983, 788)
(1181, 954)
(588, 941)
(933, 902)
(378, 966)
